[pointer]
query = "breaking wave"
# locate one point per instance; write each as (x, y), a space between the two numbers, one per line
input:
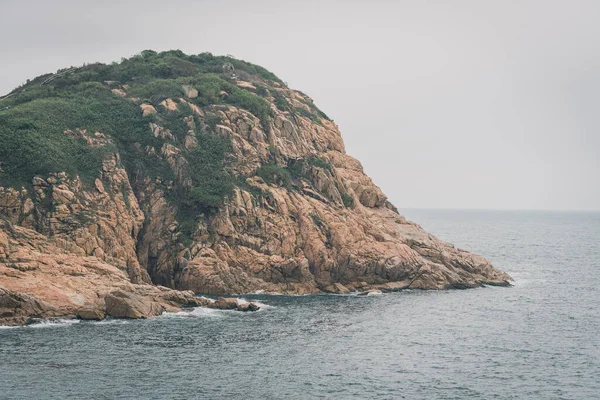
(53, 323)
(196, 312)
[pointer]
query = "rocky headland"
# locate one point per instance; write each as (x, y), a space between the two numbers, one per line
(128, 189)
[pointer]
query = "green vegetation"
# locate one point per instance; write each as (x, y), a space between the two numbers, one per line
(262, 91)
(317, 219)
(281, 102)
(174, 121)
(347, 199)
(275, 174)
(319, 162)
(310, 115)
(33, 139)
(211, 182)
(293, 171)
(36, 117)
(157, 90)
(209, 88)
(147, 66)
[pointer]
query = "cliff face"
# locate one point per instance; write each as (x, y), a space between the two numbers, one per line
(234, 183)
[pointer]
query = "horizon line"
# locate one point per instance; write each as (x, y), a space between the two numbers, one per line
(502, 209)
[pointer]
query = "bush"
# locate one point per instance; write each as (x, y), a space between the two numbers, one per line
(209, 89)
(262, 91)
(281, 102)
(275, 174)
(174, 121)
(33, 142)
(211, 182)
(320, 163)
(249, 101)
(166, 88)
(347, 199)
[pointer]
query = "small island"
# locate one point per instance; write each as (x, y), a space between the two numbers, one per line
(128, 189)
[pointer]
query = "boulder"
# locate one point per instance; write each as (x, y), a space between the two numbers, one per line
(147, 109)
(90, 314)
(121, 304)
(189, 91)
(169, 105)
(225, 303)
(247, 307)
(336, 288)
(119, 92)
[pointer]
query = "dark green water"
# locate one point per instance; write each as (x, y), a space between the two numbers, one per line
(536, 340)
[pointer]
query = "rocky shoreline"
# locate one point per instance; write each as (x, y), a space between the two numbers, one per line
(17, 309)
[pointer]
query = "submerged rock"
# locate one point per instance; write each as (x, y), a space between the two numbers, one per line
(247, 307)
(224, 303)
(230, 303)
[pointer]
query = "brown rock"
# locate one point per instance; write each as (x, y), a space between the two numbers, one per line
(225, 303)
(245, 307)
(120, 304)
(90, 314)
(147, 109)
(189, 91)
(245, 85)
(336, 288)
(119, 92)
(169, 104)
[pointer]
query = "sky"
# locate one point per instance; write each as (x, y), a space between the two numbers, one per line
(461, 104)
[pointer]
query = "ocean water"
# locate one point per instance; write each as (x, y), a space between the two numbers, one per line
(536, 340)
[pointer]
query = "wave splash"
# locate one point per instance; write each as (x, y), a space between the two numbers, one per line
(54, 323)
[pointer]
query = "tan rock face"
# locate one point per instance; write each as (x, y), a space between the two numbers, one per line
(305, 239)
(68, 248)
(190, 92)
(147, 109)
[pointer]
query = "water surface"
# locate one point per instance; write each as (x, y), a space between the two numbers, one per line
(538, 339)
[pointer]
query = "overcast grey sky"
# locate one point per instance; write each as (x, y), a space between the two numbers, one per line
(448, 104)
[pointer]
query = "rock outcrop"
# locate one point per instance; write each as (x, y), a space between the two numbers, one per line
(301, 217)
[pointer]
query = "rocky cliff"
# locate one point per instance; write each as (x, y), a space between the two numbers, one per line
(199, 173)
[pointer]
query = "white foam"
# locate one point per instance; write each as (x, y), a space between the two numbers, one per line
(242, 300)
(10, 326)
(262, 291)
(262, 305)
(110, 322)
(196, 312)
(206, 298)
(54, 323)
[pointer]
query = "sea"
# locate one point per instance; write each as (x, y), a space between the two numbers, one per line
(538, 339)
